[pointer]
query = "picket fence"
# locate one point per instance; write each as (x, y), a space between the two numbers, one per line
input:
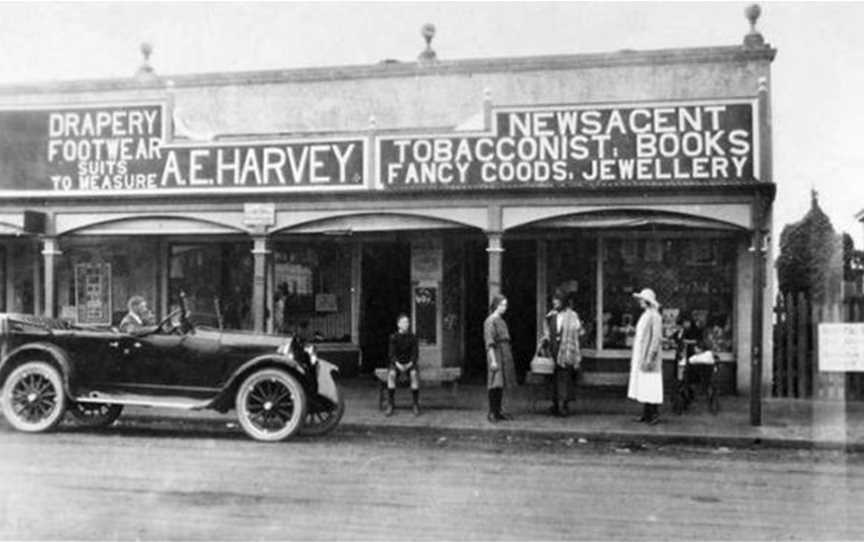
(796, 365)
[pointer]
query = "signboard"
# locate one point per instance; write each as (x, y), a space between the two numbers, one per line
(122, 149)
(93, 293)
(841, 347)
(259, 214)
(581, 146)
(426, 314)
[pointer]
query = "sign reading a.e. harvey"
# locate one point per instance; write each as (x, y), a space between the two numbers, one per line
(581, 145)
(121, 149)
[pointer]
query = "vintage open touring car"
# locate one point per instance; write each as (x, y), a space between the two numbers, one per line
(48, 367)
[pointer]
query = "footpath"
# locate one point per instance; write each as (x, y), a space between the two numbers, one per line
(595, 416)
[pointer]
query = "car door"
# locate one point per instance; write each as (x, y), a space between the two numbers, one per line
(173, 364)
(95, 355)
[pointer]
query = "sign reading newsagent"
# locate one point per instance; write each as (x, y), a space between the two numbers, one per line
(121, 149)
(581, 145)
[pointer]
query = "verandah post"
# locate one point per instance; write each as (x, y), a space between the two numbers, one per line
(50, 251)
(260, 252)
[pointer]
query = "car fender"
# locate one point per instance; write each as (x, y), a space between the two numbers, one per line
(327, 387)
(56, 353)
(265, 360)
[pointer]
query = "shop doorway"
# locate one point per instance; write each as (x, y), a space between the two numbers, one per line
(476, 309)
(385, 293)
(519, 284)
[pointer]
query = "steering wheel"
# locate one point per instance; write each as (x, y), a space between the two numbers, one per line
(168, 326)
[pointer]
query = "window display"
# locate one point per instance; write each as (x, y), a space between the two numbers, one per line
(22, 258)
(693, 278)
(216, 279)
(312, 286)
(96, 277)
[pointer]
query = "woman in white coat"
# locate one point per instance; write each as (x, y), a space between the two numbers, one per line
(646, 364)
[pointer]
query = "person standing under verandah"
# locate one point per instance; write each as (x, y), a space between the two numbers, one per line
(561, 331)
(646, 364)
(501, 371)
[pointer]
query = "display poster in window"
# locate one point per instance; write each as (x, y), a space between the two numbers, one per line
(325, 303)
(426, 314)
(426, 263)
(653, 251)
(295, 283)
(93, 293)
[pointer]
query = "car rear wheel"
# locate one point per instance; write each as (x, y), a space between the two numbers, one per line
(95, 414)
(32, 398)
(324, 421)
(271, 405)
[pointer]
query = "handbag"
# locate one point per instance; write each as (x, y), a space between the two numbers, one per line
(542, 363)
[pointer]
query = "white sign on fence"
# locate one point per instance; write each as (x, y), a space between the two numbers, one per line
(841, 347)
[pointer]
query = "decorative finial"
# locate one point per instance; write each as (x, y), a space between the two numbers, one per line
(763, 84)
(814, 198)
(145, 69)
(753, 39)
(428, 55)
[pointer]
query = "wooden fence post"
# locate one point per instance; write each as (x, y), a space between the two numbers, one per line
(791, 318)
(818, 315)
(777, 381)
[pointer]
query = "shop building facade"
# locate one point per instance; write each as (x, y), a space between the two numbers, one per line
(325, 201)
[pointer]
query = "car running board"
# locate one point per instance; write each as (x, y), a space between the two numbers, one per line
(160, 401)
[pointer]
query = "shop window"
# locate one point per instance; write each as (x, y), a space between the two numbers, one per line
(312, 290)
(216, 279)
(97, 276)
(22, 265)
(692, 277)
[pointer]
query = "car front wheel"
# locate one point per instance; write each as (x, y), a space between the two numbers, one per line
(95, 414)
(32, 398)
(324, 420)
(271, 405)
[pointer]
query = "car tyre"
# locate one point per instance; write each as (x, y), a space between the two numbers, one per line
(321, 423)
(271, 405)
(33, 399)
(95, 415)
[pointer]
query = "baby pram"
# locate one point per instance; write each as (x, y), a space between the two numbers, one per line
(695, 370)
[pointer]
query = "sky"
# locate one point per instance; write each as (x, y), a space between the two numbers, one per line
(818, 75)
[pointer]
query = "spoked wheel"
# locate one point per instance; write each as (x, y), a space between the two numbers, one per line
(271, 405)
(320, 423)
(95, 414)
(33, 399)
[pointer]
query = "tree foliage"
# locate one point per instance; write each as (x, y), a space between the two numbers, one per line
(812, 256)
